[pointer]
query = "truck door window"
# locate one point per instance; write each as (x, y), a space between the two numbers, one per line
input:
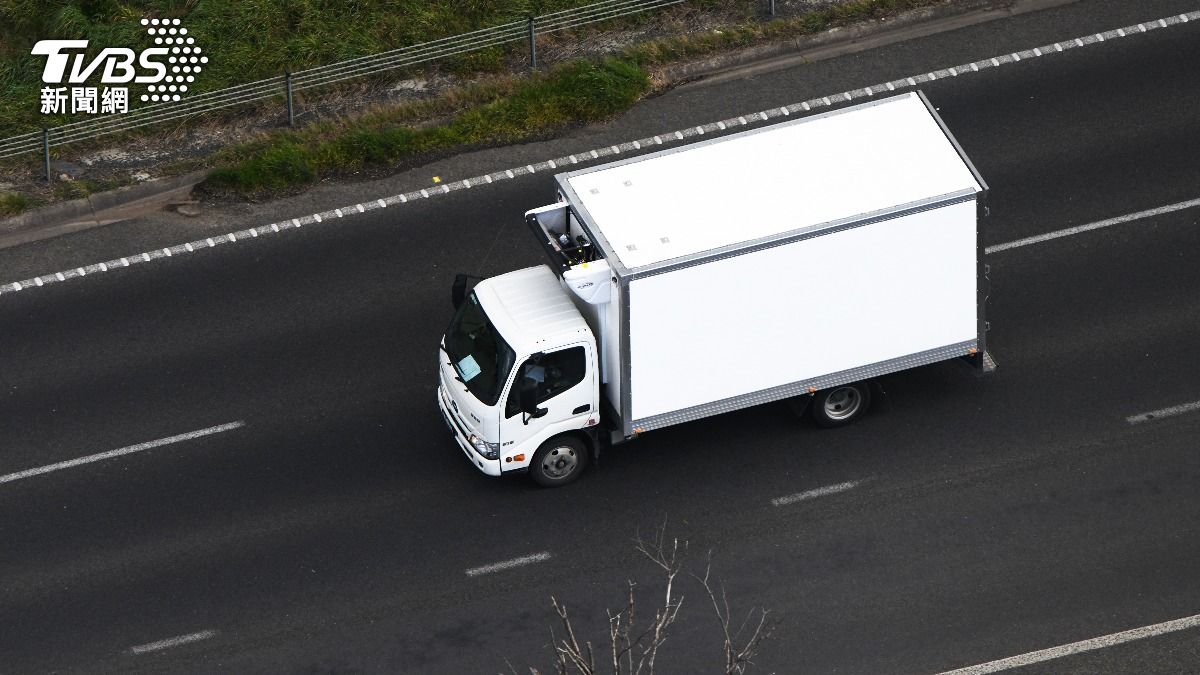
(555, 373)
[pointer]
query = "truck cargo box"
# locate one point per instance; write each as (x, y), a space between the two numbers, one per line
(778, 261)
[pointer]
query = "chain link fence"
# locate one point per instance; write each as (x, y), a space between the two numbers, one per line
(285, 85)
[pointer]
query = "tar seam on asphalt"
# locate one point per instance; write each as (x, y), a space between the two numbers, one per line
(128, 450)
(661, 139)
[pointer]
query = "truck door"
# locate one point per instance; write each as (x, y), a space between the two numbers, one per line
(563, 381)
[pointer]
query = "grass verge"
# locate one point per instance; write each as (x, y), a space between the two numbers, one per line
(668, 50)
(13, 203)
(574, 93)
(506, 111)
(500, 109)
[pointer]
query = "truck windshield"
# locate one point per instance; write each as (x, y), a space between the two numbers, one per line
(477, 352)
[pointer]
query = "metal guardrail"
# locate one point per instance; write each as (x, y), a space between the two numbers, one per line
(284, 85)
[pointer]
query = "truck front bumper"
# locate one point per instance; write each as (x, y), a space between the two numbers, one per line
(490, 467)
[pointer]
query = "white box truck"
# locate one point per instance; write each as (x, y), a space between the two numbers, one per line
(795, 261)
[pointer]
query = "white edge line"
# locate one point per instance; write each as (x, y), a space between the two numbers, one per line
(813, 494)
(1079, 647)
(509, 564)
(14, 286)
(1092, 226)
(173, 642)
(121, 451)
(1164, 412)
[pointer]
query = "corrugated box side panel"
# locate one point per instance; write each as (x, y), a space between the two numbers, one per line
(714, 336)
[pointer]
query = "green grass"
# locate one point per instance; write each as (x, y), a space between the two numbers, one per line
(574, 93)
(497, 110)
(667, 50)
(506, 111)
(77, 189)
(248, 40)
(13, 203)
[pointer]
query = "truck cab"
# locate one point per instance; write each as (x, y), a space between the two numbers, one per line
(518, 384)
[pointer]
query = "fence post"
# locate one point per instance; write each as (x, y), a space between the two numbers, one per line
(46, 150)
(287, 79)
(532, 44)
(772, 5)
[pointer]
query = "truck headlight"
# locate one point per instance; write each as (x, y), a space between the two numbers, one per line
(489, 450)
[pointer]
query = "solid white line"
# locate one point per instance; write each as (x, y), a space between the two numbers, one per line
(1079, 647)
(173, 642)
(813, 494)
(121, 451)
(1093, 226)
(1165, 412)
(509, 564)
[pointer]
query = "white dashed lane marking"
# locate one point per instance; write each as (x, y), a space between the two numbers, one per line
(1174, 410)
(173, 642)
(1150, 213)
(1079, 647)
(813, 494)
(129, 450)
(509, 564)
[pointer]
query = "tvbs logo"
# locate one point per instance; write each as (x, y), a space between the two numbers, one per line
(167, 69)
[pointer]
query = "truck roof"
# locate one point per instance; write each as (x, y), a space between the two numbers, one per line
(531, 309)
(765, 182)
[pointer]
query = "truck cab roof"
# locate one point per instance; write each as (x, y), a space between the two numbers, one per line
(532, 310)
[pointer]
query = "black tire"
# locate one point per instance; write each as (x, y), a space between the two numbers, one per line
(558, 461)
(840, 406)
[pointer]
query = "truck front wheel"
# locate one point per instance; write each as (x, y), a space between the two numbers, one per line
(558, 461)
(839, 406)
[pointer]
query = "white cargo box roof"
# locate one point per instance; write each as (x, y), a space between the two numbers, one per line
(765, 182)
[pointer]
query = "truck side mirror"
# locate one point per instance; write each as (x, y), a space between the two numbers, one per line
(529, 400)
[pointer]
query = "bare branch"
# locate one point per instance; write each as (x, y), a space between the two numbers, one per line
(633, 649)
(737, 658)
(568, 648)
(513, 670)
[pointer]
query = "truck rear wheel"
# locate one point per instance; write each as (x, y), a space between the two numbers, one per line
(839, 406)
(558, 461)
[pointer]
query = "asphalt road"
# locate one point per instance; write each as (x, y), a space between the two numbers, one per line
(334, 530)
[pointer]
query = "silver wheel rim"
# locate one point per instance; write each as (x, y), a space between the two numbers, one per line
(843, 403)
(560, 462)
